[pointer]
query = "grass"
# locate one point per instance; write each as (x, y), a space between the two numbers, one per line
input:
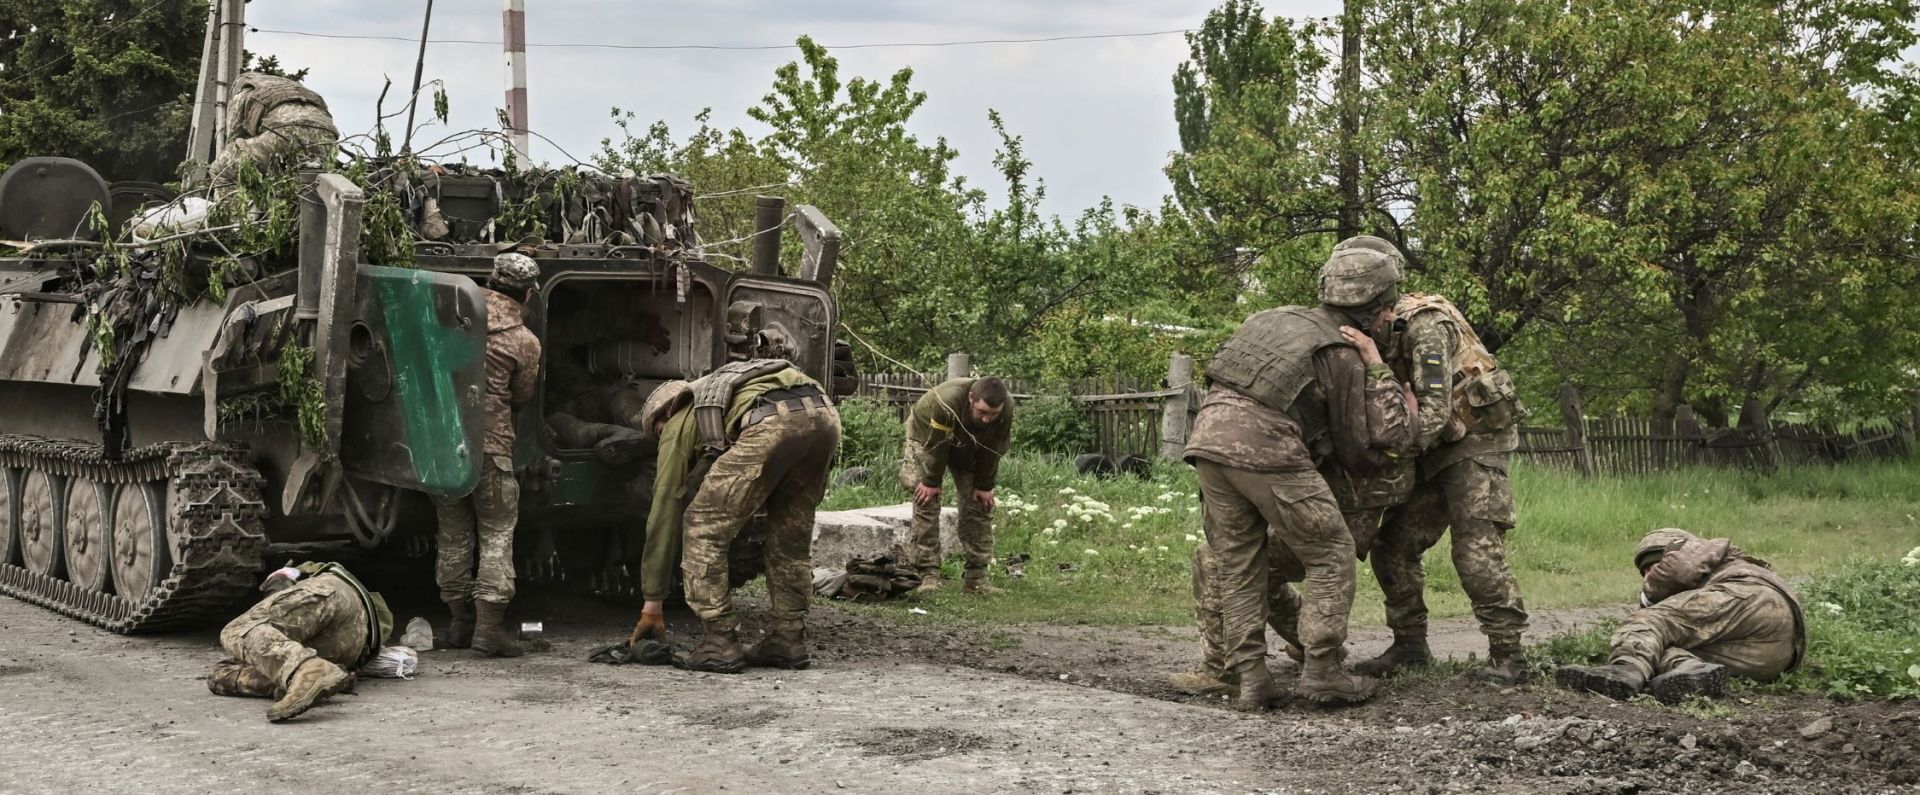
(1116, 552)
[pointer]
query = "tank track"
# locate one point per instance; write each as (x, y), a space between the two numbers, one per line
(214, 531)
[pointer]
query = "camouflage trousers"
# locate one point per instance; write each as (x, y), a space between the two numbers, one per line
(976, 523)
(779, 464)
(1283, 604)
(1248, 517)
(321, 617)
(1476, 499)
(1744, 625)
(475, 542)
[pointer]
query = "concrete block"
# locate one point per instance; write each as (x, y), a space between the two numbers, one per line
(866, 532)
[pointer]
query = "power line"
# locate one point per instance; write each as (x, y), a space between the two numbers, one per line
(731, 47)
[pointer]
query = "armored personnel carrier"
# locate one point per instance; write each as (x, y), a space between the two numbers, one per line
(173, 408)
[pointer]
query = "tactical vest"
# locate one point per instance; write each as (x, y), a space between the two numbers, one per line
(1270, 357)
(713, 395)
(1483, 395)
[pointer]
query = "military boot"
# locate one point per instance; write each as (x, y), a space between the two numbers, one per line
(1255, 687)
(977, 584)
(781, 648)
(929, 582)
(718, 652)
(311, 683)
(1406, 652)
(1506, 665)
(490, 635)
(1323, 680)
(1689, 678)
(460, 629)
(1201, 682)
(1617, 680)
(232, 677)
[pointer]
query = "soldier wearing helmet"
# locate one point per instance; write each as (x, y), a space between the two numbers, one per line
(751, 436)
(1707, 610)
(1468, 428)
(1290, 389)
(474, 566)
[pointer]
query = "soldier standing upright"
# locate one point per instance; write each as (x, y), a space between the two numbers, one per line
(301, 644)
(1468, 429)
(1363, 496)
(1706, 609)
(1287, 389)
(751, 435)
(963, 427)
(474, 566)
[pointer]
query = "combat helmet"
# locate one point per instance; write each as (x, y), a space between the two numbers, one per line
(1360, 271)
(660, 404)
(514, 272)
(1655, 544)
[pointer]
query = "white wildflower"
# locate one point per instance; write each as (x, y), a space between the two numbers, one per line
(1161, 548)
(1192, 537)
(1059, 524)
(1093, 553)
(1831, 608)
(1067, 490)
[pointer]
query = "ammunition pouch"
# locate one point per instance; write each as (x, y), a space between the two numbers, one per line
(1486, 402)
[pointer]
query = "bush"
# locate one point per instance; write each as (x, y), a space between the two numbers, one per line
(1863, 633)
(1052, 425)
(870, 432)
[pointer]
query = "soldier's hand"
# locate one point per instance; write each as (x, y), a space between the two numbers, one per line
(653, 623)
(985, 498)
(1369, 352)
(924, 494)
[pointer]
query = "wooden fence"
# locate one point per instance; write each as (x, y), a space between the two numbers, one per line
(1132, 418)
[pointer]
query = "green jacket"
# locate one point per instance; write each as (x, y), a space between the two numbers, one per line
(379, 617)
(673, 487)
(942, 426)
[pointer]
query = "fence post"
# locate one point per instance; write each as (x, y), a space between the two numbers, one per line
(959, 365)
(1687, 427)
(1575, 418)
(1174, 420)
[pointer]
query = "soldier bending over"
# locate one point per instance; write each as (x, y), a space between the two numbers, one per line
(749, 436)
(962, 426)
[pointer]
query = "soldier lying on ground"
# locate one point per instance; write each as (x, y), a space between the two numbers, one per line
(750, 436)
(301, 644)
(1707, 610)
(962, 427)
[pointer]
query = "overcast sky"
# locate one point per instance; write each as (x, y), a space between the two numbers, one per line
(1097, 115)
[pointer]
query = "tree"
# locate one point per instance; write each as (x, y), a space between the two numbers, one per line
(109, 82)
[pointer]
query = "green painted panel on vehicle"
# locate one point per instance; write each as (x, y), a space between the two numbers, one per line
(428, 351)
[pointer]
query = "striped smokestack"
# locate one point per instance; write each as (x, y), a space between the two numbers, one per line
(514, 19)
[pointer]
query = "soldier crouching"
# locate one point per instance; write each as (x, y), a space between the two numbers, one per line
(301, 644)
(1707, 610)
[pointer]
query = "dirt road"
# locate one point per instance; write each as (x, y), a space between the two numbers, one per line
(887, 708)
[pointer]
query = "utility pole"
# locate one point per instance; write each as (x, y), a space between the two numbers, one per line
(514, 21)
(1350, 21)
(419, 63)
(220, 62)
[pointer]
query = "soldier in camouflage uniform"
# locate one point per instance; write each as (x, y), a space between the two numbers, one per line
(1286, 391)
(963, 427)
(1468, 428)
(751, 436)
(1363, 495)
(474, 566)
(273, 122)
(301, 644)
(1707, 610)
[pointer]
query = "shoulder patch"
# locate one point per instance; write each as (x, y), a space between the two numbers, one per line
(1431, 360)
